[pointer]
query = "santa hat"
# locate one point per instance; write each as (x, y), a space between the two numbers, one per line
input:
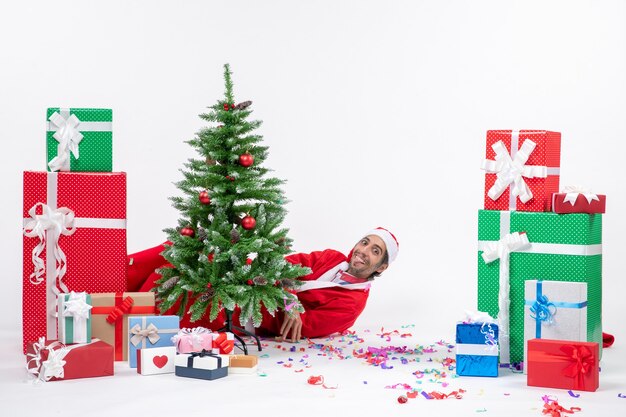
(390, 241)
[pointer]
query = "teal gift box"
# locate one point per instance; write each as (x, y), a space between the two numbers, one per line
(74, 321)
(146, 332)
(514, 247)
(79, 140)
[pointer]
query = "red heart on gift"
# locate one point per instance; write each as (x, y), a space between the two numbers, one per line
(160, 361)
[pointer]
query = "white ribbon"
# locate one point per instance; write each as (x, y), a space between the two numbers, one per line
(68, 135)
(196, 334)
(512, 242)
(572, 193)
(512, 171)
(478, 317)
(49, 226)
(476, 349)
(77, 307)
(52, 367)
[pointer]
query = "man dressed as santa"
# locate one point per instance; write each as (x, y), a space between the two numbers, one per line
(333, 295)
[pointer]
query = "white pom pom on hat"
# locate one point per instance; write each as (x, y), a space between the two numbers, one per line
(390, 241)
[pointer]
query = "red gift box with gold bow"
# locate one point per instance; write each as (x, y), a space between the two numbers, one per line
(109, 317)
(563, 364)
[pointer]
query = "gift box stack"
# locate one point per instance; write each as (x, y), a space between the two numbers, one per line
(539, 252)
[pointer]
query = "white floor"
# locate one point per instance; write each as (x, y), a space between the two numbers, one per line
(351, 386)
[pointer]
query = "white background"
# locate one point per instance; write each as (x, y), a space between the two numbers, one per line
(375, 113)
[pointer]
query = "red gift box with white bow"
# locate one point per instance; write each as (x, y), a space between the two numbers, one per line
(563, 364)
(74, 240)
(578, 200)
(522, 169)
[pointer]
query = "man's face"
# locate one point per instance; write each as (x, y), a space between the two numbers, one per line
(367, 256)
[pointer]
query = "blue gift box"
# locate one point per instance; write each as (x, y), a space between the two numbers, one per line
(201, 365)
(146, 332)
(477, 349)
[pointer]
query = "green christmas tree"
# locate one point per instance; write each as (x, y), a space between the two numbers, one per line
(229, 248)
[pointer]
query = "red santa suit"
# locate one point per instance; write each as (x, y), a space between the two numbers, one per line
(332, 299)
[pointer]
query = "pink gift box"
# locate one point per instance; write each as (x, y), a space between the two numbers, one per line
(193, 340)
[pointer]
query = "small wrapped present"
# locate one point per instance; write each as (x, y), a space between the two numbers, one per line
(578, 200)
(74, 317)
(223, 342)
(477, 348)
(193, 340)
(110, 314)
(563, 364)
(80, 140)
(522, 169)
(66, 229)
(243, 364)
(147, 332)
(554, 310)
(201, 365)
(53, 361)
(156, 360)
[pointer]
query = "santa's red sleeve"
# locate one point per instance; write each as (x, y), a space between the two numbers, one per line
(318, 261)
(327, 311)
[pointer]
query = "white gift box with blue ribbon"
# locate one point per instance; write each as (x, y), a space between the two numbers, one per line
(554, 310)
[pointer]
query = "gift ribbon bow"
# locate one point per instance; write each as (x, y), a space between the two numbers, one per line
(512, 171)
(224, 344)
(49, 225)
(572, 193)
(119, 311)
(202, 354)
(151, 333)
(52, 367)
(197, 334)
(76, 306)
(69, 137)
(490, 335)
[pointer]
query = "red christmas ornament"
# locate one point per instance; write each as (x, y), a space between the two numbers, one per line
(248, 222)
(248, 261)
(230, 178)
(250, 282)
(226, 106)
(204, 197)
(246, 160)
(187, 231)
(208, 285)
(210, 257)
(232, 106)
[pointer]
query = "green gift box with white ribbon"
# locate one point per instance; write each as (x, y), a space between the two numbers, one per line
(74, 310)
(79, 140)
(514, 247)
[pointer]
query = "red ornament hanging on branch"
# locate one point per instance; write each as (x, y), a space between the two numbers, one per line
(246, 160)
(204, 197)
(248, 222)
(228, 106)
(187, 231)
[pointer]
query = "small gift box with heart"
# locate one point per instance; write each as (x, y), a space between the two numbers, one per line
(243, 364)
(53, 361)
(563, 364)
(74, 317)
(156, 360)
(193, 340)
(147, 332)
(80, 139)
(554, 310)
(223, 343)
(578, 200)
(202, 365)
(477, 346)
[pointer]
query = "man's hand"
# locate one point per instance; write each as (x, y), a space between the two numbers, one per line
(292, 323)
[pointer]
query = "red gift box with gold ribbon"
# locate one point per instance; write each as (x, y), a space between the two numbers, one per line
(109, 317)
(74, 226)
(563, 364)
(522, 169)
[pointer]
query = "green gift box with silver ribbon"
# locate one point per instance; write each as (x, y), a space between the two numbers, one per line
(79, 140)
(514, 247)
